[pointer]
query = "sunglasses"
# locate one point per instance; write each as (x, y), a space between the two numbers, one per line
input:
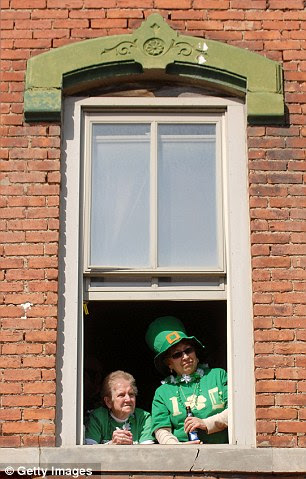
(179, 354)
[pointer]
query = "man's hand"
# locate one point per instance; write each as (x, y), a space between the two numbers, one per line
(122, 436)
(192, 423)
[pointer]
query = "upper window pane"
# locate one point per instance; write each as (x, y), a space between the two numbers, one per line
(154, 197)
(187, 196)
(120, 190)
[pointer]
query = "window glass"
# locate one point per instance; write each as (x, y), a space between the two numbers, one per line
(154, 194)
(120, 190)
(187, 212)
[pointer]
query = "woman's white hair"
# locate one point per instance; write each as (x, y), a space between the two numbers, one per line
(112, 378)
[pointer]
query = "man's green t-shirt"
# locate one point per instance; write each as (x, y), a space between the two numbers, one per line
(207, 396)
(101, 426)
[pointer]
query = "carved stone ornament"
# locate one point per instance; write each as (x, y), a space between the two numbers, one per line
(153, 39)
(153, 47)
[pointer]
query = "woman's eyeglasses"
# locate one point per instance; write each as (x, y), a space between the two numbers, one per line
(179, 354)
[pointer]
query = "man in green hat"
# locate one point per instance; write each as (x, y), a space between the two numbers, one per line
(189, 386)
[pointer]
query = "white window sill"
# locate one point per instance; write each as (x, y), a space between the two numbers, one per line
(161, 459)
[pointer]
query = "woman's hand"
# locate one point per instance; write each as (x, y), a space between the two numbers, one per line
(192, 423)
(122, 436)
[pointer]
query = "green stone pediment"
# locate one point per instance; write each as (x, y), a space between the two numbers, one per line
(153, 48)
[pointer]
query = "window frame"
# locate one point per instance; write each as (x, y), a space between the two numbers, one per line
(154, 119)
(237, 226)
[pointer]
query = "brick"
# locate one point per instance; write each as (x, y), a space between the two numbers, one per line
(22, 400)
(35, 177)
(42, 311)
(54, 177)
(27, 4)
(10, 287)
(26, 201)
(50, 13)
(10, 414)
(290, 373)
(9, 362)
(276, 413)
(22, 349)
(10, 441)
(30, 441)
(41, 413)
(271, 262)
(41, 43)
(262, 322)
(48, 427)
(260, 250)
(264, 348)
(270, 238)
(26, 225)
(301, 335)
(265, 427)
(11, 190)
(135, 4)
(290, 297)
(269, 190)
(47, 212)
(24, 274)
(49, 400)
(43, 190)
(21, 427)
(292, 426)
(282, 4)
(41, 236)
(23, 324)
(274, 335)
(39, 387)
(265, 400)
(41, 336)
(12, 237)
(10, 388)
(12, 213)
(276, 441)
(51, 273)
(272, 286)
(11, 263)
(24, 250)
(108, 23)
(290, 348)
(43, 165)
(43, 262)
(48, 374)
(291, 400)
(46, 441)
(276, 386)
(22, 374)
(264, 373)
(68, 4)
(43, 286)
(39, 362)
(8, 336)
(285, 178)
(10, 312)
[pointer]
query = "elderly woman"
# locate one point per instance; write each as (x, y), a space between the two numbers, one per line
(120, 422)
(188, 385)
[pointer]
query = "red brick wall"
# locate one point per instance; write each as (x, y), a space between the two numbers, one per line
(30, 186)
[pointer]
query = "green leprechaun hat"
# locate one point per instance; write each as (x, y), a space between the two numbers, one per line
(164, 332)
